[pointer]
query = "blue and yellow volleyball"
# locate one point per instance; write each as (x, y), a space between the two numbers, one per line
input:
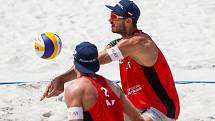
(48, 45)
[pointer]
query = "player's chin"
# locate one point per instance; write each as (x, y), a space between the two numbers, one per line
(113, 30)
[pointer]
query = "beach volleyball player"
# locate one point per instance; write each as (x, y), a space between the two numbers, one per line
(91, 97)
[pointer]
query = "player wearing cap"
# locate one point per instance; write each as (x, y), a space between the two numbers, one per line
(92, 97)
(145, 74)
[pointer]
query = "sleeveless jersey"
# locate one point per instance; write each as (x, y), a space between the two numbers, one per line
(108, 106)
(150, 86)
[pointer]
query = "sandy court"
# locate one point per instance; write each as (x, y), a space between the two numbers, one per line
(183, 30)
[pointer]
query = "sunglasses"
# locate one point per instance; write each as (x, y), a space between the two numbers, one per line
(114, 16)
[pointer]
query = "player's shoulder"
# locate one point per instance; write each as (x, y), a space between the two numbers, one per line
(141, 37)
(77, 86)
(136, 40)
(115, 87)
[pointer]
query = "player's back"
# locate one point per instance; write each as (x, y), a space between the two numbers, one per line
(108, 106)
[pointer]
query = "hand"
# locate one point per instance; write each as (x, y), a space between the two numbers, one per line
(53, 89)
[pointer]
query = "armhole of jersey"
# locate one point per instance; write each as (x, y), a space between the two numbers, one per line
(87, 116)
(114, 42)
(114, 88)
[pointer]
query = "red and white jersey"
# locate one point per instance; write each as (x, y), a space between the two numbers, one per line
(108, 106)
(150, 86)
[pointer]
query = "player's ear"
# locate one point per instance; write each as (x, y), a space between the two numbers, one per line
(128, 20)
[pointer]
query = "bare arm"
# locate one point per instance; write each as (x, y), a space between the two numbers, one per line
(126, 46)
(140, 48)
(130, 110)
(104, 57)
(128, 107)
(56, 87)
(73, 98)
(67, 76)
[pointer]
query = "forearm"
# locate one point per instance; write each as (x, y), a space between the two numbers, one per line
(104, 57)
(67, 76)
(130, 110)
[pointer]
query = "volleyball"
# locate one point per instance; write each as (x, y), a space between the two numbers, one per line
(48, 45)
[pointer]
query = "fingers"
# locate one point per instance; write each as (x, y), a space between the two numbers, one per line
(48, 91)
(43, 97)
(51, 91)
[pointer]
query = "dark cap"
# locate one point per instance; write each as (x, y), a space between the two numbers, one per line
(126, 8)
(86, 58)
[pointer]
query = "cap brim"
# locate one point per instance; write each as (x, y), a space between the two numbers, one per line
(88, 69)
(110, 7)
(115, 9)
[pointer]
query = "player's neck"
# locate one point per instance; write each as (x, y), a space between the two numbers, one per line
(129, 32)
